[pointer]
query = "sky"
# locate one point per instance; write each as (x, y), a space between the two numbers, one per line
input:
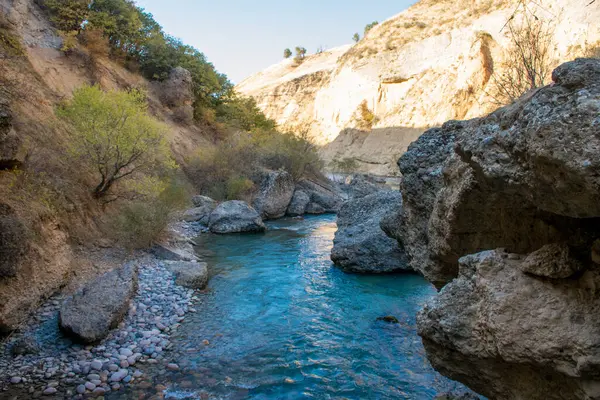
(242, 37)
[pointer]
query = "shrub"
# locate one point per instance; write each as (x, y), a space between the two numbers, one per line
(239, 188)
(10, 43)
(300, 55)
(115, 136)
(138, 224)
(367, 118)
(370, 26)
(66, 15)
(527, 64)
(356, 38)
(287, 53)
(95, 42)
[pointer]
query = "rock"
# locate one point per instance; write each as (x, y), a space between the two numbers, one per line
(173, 367)
(198, 214)
(314, 209)
(119, 375)
(15, 380)
(204, 201)
(322, 192)
(25, 345)
(298, 205)
(92, 312)
(511, 232)
(170, 253)
(49, 391)
(360, 245)
(390, 319)
(457, 396)
(90, 386)
(553, 261)
(188, 274)
(177, 94)
(275, 194)
(235, 217)
(81, 389)
(96, 365)
(10, 142)
(362, 185)
(511, 335)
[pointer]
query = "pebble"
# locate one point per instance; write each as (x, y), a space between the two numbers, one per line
(142, 338)
(173, 367)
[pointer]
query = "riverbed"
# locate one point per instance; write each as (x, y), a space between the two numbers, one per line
(279, 321)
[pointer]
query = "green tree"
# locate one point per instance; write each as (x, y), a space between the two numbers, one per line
(243, 113)
(356, 38)
(113, 132)
(370, 26)
(300, 55)
(66, 15)
(287, 53)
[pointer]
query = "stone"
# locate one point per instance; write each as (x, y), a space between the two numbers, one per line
(91, 313)
(362, 185)
(49, 391)
(189, 275)
(235, 217)
(553, 261)
(15, 380)
(173, 367)
(390, 319)
(96, 365)
(119, 375)
(125, 352)
(203, 201)
(323, 193)
(314, 209)
(176, 92)
(90, 386)
(360, 245)
(81, 389)
(274, 195)
(300, 201)
(512, 335)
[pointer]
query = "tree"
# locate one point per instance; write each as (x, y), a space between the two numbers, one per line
(527, 63)
(356, 37)
(114, 134)
(67, 15)
(287, 53)
(370, 26)
(300, 54)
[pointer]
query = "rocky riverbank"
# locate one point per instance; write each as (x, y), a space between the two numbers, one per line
(38, 360)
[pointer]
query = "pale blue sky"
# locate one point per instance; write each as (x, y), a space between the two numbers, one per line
(241, 37)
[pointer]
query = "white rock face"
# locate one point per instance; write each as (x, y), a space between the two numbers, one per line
(420, 68)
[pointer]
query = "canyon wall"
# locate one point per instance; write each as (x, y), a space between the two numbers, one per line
(502, 213)
(426, 65)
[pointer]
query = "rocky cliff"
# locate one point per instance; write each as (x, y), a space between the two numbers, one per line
(502, 213)
(426, 65)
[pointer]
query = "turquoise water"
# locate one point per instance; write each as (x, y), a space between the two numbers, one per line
(282, 323)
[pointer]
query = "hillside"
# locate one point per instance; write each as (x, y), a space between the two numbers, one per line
(426, 65)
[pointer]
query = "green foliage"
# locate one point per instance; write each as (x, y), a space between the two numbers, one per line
(300, 54)
(287, 53)
(67, 15)
(10, 43)
(346, 165)
(114, 134)
(139, 224)
(243, 113)
(370, 26)
(356, 38)
(226, 171)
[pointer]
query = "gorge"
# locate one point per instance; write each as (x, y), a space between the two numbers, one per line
(233, 267)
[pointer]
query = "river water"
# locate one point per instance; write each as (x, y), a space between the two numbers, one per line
(280, 322)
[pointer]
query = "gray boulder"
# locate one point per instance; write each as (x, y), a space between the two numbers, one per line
(192, 275)
(177, 94)
(91, 313)
(275, 194)
(203, 201)
(298, 205)
(235, 217)
(325, 194)
(314, 209)
(360, 245)
(506, 222)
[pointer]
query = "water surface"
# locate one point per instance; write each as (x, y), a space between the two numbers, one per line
(280, 322)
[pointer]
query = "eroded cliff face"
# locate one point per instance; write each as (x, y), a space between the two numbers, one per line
(422, 67)
(503, 214)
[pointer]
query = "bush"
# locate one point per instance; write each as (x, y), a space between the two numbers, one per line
(346, 165)
(139, 224)
(114, 135)
(287, 53)
(366, 117)
(370, 26)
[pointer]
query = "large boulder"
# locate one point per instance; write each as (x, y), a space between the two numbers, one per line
(192, 275)
(504, 216)
(360, 245)
(235, 217)
(201, 212)
(298, 205)
(275, 194)
(177, 94)
(91, 313)
(511, 335)
(325, 194)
